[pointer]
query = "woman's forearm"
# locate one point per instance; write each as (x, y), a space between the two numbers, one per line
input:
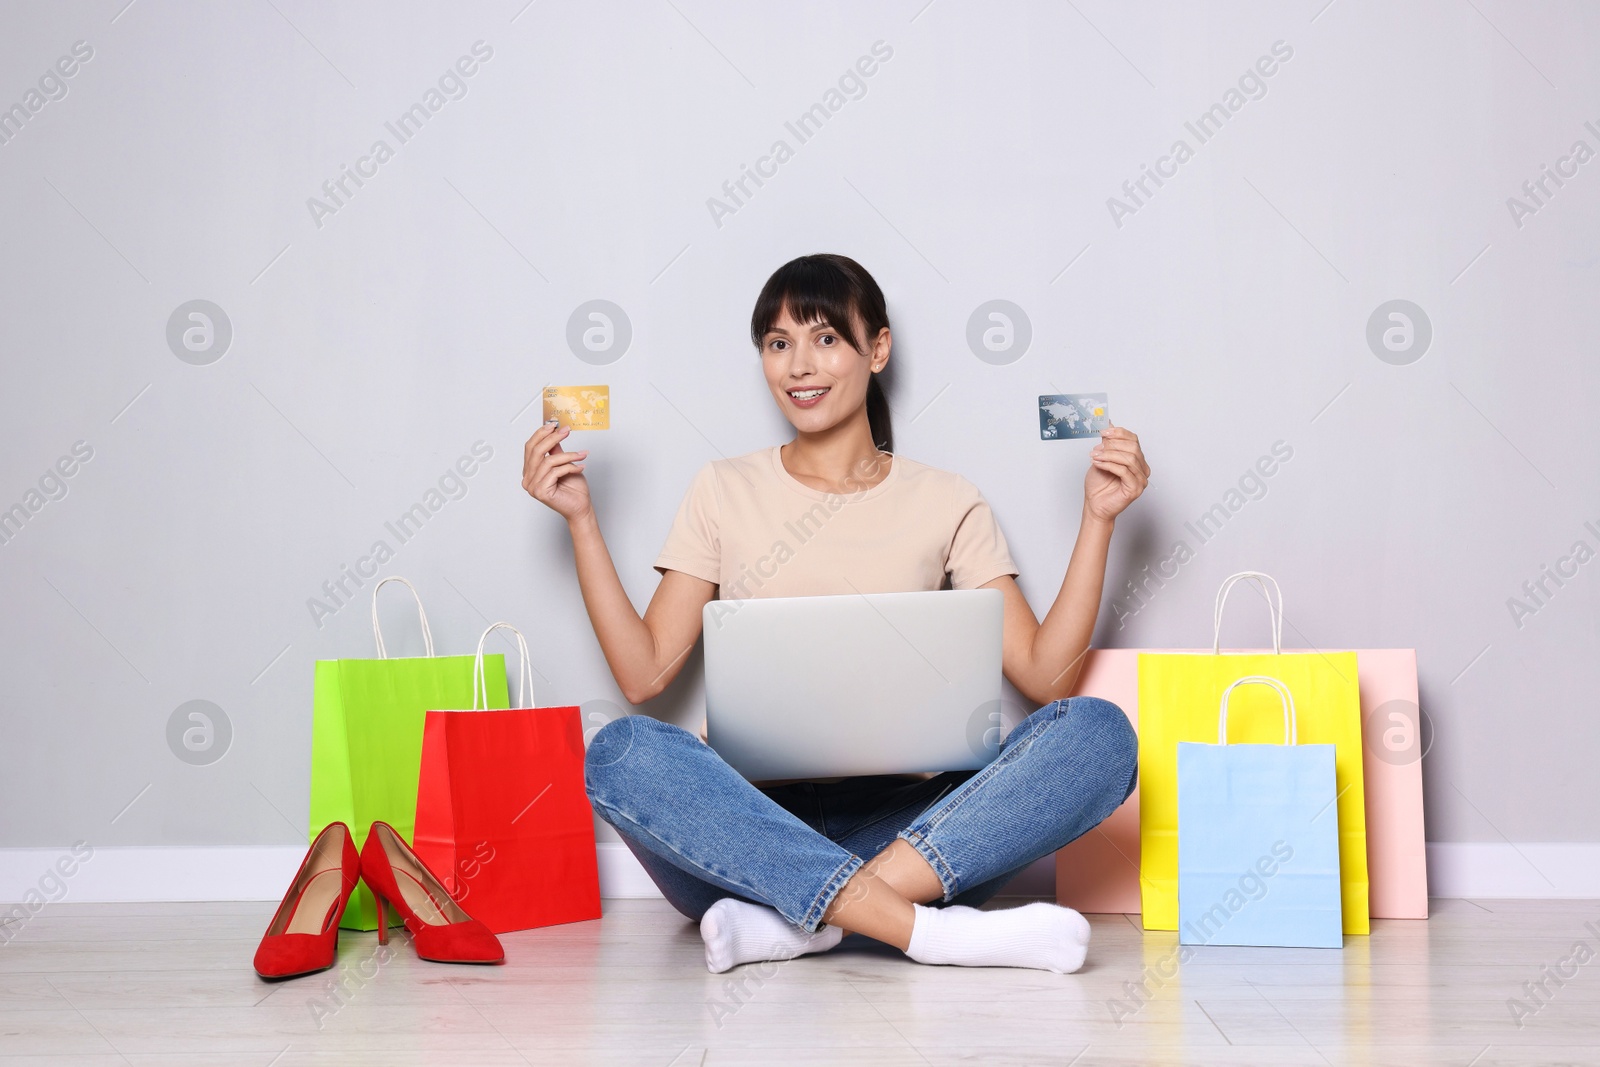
(1068, 627)
(629, 646)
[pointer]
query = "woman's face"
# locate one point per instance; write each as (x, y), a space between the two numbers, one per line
(817, 378)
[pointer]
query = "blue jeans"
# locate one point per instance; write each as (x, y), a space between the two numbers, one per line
(703, 832)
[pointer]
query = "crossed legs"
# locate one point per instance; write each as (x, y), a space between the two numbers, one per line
(706, 835)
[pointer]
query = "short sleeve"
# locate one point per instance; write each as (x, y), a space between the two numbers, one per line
(694, 544)
(978, 550)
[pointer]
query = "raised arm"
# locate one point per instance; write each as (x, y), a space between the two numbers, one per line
(646, 653)
(1043, 660)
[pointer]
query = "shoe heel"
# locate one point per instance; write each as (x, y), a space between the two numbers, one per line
(383, 921)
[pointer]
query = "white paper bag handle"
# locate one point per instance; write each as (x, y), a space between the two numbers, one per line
(1274, 611)
(480, 685)
(1290, 730)
(422, 617)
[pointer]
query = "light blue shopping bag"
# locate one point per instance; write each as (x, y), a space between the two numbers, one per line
(1258, 839)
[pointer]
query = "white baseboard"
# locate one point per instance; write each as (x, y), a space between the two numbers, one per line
(126, 874)
(1563, 871)
(621, 875)
(155, 873)
(1464, 869)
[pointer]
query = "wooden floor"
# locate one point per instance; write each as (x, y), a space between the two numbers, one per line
(172, 984)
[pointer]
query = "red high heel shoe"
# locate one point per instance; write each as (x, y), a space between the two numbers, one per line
(440, 930)
(303, 936)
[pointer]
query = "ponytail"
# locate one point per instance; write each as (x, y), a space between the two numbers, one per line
(878, 416)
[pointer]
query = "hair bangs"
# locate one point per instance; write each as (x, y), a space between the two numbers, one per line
(815, 290)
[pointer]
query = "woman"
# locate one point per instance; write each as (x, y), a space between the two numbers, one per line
(776, 870)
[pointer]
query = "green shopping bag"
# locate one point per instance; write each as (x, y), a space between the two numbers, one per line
(366, 736)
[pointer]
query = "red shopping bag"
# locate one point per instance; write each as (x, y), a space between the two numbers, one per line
(502, 817)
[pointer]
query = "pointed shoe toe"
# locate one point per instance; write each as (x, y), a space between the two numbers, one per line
(463, 942)
(290, 955)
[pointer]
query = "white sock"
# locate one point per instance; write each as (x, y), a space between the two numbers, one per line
(1039, 935)
(736, 932)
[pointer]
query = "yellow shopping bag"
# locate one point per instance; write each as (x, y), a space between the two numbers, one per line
(1178, 697)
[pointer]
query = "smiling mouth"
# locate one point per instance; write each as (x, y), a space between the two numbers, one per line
(807, 394)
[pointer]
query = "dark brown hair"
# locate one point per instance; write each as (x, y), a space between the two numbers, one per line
(827, 288)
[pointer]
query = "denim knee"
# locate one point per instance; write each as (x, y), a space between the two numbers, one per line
(1105, 726)
(603, 764)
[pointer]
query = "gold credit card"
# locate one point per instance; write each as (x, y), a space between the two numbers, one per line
(579, 407)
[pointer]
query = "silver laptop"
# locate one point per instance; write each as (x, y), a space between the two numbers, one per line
(869, 683)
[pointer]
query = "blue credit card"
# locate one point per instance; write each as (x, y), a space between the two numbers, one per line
(1068, 415)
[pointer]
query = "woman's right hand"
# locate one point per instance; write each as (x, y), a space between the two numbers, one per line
(554, 477)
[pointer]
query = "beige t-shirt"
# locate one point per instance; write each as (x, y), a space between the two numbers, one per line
(755, 530)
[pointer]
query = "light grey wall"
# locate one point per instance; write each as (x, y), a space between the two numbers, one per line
(1227, 311)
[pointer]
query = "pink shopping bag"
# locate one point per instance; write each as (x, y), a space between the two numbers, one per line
(1099, 872)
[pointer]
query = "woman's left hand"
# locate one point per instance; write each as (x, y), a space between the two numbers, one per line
(1117, 473)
